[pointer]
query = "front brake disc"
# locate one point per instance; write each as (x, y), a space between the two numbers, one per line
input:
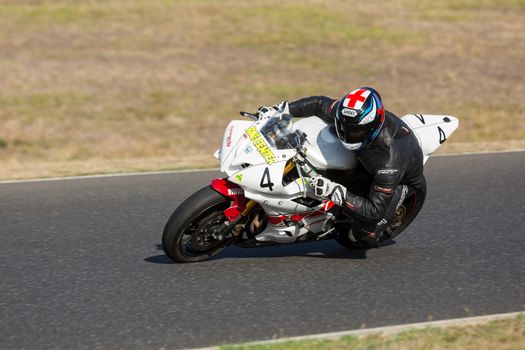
(202, 239)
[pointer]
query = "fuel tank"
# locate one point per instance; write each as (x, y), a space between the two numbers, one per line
(324, 150)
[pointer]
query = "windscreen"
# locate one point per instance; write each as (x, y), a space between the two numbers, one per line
(278, 132)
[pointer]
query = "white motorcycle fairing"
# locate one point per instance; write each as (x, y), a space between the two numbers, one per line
(252, 161)
(431, 130)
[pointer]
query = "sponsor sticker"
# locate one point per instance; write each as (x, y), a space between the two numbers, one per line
(229, 138)
(349, 112)
(235, 191)
(260, 144)
(238, 177)
(387, 171)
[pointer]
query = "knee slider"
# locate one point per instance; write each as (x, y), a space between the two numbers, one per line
(364, 236)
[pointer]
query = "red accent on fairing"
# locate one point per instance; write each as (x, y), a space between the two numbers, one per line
(276, 220)
(327, 205)
(236, 193)
(299, 217)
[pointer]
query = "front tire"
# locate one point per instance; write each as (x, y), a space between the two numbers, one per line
(189, 233)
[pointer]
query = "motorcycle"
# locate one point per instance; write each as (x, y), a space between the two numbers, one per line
(266, 199)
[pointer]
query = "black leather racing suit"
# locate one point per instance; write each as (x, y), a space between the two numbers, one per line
(392, 160)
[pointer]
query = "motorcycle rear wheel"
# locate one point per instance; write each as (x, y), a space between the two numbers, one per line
(189, 233)
(410, 208)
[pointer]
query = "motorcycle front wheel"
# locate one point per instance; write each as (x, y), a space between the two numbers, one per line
(191, 233)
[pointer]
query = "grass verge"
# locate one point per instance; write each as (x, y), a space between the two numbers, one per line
(500, 334)
(15, 170)
(121, 80)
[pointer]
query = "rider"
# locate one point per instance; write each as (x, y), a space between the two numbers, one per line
(385, 146)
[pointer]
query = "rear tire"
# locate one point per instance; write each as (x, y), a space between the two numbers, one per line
(188, 234)
(411, 204)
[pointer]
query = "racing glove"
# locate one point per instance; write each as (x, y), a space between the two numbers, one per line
(325, 188)
(265, 112)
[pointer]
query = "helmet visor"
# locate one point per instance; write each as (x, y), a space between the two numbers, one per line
(353, 133)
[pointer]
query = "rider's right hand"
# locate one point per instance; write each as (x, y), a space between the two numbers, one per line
(324, 188)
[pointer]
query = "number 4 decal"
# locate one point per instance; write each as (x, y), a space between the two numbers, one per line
(442, 136)
(265, 181)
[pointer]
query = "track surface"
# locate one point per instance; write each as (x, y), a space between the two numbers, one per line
(81, 265)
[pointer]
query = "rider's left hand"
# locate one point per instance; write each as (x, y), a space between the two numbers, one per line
(265, 112)
(280, 106)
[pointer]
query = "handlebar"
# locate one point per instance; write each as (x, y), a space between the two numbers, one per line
(249, 115)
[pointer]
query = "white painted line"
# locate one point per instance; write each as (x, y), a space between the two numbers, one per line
(455, 322)
(210, 169)
(83, 177)
(478, 153)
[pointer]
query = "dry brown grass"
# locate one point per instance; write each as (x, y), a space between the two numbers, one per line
(98, 83)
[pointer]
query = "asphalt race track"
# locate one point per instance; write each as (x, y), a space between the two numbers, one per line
(81, 265)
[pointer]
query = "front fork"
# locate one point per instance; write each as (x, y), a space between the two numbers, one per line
(236, 213)
(233, 226)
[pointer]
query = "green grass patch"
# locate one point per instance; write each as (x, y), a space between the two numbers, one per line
(293, 26)
(484, 4)
(27, 14)
(501, 334)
